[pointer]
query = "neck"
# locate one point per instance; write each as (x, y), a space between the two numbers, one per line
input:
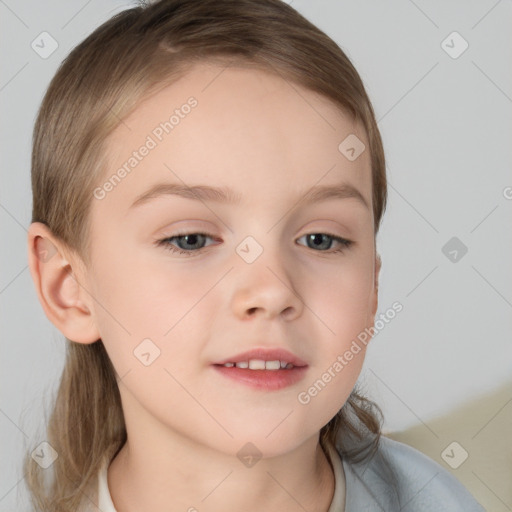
(190, 477)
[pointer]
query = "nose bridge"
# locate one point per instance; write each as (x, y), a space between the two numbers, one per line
(264, 279)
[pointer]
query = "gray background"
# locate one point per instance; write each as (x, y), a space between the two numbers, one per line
(446, 125)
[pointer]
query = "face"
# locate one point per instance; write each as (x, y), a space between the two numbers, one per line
(182, 283)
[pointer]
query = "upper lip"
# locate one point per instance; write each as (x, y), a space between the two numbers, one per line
(265, 354)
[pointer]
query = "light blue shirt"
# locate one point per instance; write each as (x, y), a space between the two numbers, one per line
(397, 478)
(400, 478)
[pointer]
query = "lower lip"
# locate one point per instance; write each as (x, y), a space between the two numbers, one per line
(268, 380)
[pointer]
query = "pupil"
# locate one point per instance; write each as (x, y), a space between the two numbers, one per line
(316, 238)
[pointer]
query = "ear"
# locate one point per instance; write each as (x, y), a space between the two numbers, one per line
(58, 280)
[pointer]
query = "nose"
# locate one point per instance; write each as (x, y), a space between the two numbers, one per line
(266, 289)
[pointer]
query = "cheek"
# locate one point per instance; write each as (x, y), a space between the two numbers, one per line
(149, 311)
(343, 299)
(344, 304)
(324, 394)
(342, 344)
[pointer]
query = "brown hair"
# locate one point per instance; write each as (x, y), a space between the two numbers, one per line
(131, 56)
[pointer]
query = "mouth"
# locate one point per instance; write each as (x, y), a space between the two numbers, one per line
(264, 369)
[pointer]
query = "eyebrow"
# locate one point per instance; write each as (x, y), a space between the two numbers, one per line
(226, 195)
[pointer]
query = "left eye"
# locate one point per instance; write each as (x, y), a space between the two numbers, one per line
(190, 243)
(316, 240)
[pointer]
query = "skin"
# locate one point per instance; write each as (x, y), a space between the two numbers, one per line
(270, 141)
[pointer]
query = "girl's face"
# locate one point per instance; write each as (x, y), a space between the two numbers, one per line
(261, 268)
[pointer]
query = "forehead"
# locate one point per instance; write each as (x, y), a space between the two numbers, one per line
(248, 129)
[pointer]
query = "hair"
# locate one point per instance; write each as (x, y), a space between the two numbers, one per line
(131, 56)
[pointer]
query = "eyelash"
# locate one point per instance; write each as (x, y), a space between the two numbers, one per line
(165, 243)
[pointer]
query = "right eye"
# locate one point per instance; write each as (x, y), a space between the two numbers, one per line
(187, 242)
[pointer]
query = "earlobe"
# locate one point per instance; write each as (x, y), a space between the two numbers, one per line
(57, 281)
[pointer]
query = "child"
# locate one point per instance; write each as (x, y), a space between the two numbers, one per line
(208, 183)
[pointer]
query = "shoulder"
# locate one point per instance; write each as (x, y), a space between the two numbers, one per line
(399, 477)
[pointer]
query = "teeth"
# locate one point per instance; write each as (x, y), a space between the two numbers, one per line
(260, 364)
(256, 364)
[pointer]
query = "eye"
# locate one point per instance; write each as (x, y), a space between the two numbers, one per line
(324, 241)
(188, 243)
